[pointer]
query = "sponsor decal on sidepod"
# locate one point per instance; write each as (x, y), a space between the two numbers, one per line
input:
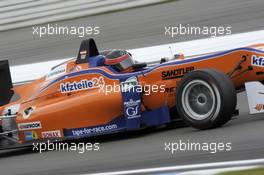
(82, 85)
(132, 108)
(29, 126)
(176, 73)
(51, 134)
(30, 135)
(257, 61)
(92, 130)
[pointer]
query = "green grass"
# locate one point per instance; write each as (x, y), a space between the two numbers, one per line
(256, 171)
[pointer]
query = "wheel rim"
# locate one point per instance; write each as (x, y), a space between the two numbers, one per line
(199, 100)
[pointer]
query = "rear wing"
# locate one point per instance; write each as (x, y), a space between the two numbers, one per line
(6, 85)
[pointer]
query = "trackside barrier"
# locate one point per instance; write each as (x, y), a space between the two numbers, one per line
(21, 13)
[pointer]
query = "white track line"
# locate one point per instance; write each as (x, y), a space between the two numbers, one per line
(185, 167)
(215, 171)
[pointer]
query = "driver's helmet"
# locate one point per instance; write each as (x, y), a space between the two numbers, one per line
(120, 60)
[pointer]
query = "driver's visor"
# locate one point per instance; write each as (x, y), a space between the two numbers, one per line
(127, 63)
(111, 61)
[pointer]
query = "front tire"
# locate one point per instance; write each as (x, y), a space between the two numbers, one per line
(206, 99)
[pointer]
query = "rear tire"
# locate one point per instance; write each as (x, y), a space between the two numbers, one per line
(206, 99)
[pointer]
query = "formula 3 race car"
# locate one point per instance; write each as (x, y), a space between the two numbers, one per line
(86, 97)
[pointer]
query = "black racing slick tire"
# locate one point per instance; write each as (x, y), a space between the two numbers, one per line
(206, 99)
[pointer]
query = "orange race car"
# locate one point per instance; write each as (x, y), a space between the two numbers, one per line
(106, 92)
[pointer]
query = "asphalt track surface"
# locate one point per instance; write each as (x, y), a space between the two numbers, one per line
(131, 29)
